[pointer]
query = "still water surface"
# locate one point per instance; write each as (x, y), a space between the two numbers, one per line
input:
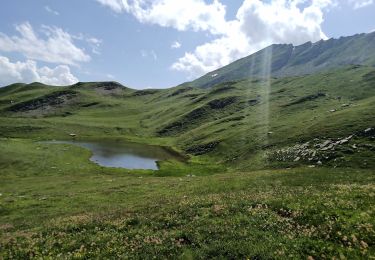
(127, 155)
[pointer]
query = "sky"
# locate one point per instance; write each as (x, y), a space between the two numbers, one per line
(158, 43)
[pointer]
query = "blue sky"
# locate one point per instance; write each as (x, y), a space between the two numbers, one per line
(158, 43)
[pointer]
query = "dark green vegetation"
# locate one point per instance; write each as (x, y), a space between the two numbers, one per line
(277, 168)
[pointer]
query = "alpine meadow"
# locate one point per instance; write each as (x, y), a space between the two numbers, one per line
(271, 156)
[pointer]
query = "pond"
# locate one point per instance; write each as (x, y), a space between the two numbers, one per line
(123, 154)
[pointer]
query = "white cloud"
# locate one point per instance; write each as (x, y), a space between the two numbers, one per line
(93, 42)
(192, 14)
(29, 71)
(116, 5)
(360, 3)
(257, 25)
(51, 11)
(56, 45)
(215, 54)
(281, 21)
(176, 45)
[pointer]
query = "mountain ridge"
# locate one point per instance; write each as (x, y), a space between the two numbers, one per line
(282, 60)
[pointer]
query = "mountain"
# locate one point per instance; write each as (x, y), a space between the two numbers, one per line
(273, 168)
(239, 123)
(281, 60)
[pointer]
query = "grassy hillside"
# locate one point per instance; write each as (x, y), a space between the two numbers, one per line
(278, 168)
(54, 209)
(280, 60)
(239, 123)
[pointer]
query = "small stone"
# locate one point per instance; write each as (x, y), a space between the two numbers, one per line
(344, 141)
(319, 163)
(311, 166)
(297, 159)
(332, 110)
(364, 245)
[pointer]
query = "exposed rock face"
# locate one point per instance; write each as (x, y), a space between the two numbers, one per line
(203, 148)
(318, 151)
(46, 102)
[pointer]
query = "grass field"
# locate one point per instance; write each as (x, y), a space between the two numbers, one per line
(242, 194)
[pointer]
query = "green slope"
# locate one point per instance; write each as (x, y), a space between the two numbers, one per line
(278, 168)
(280, 60)
(240, 123)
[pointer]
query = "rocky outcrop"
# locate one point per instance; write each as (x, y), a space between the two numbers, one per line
(319, 151)
(54, 99)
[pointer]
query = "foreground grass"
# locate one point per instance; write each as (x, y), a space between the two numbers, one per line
(55, 203)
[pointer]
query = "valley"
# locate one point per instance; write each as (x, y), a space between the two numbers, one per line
(272, 168)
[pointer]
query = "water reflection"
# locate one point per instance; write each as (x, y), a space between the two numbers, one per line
(127, 155)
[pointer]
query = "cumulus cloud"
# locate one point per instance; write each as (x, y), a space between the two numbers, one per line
(360, 3)
(176, 45)
(214, 54)
(116, 5)
(29, 71)
(257, 24)
(54, 45)
(191, 15)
